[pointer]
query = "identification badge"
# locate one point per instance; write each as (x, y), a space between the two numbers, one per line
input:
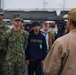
(21, 46)
(40, 46)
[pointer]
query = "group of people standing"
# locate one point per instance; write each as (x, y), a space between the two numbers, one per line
(37, 48)
(18, 47)
(13, 43)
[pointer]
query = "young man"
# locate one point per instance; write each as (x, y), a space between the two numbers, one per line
(3, 28)
(62, 59)
(36, 50)
(15, 42)
(49, 36)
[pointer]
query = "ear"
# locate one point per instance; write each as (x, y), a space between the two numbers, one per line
(70, 22)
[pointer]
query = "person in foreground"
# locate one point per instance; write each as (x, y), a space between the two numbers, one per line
(61, 60)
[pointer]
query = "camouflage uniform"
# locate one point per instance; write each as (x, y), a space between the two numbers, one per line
(3, 28)
(15, 45)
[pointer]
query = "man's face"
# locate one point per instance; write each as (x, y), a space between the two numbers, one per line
(36, 28)
(21, 24)
(46, 27)
(1, 17)
(17, 23)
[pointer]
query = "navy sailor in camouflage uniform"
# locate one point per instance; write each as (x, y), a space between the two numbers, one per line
(3, 28)
(15, 43)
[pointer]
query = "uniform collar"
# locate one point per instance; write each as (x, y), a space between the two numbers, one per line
(21, 31)
(74, 30)
(44, 31)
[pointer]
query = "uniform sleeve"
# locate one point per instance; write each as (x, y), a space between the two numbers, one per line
(5, 29)
(52, 61)
(26, 40)
(5, 40)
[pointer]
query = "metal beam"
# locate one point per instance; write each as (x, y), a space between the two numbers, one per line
(0, 4)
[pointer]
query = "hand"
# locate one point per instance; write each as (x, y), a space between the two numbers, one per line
(27, 62)
(42, 62)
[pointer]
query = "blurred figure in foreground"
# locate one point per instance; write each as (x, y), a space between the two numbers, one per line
(62, 59)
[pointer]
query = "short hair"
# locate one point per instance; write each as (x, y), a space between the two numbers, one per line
(45, 23)
(35, 24)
